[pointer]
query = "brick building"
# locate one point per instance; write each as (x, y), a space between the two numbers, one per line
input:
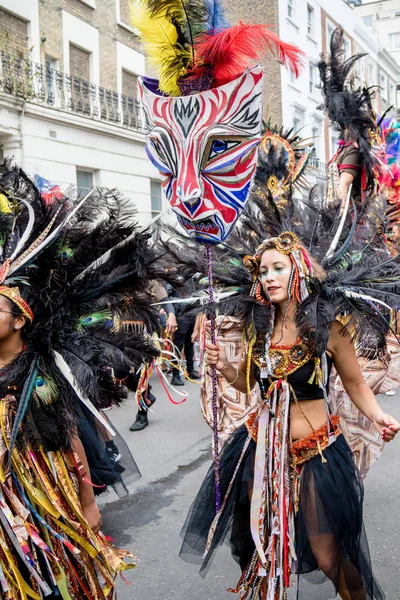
(68, 109)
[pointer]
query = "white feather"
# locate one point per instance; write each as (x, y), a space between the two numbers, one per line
(335, 240)
(67, 373)
(28, 230)
(52, 235)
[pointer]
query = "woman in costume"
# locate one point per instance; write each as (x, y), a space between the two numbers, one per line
(66, 266)
(349, 109)
(291, 492)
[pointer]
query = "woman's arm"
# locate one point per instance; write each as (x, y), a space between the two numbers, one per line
(346, 364)
(235, 376)
(87, 498)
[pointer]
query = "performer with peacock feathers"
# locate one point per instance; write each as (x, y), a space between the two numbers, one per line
(71, 269)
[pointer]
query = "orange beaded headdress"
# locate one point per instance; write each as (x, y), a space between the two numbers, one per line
(12, 293)
(286, 243)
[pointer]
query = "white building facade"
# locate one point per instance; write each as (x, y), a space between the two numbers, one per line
(68, 129)
(309, 24)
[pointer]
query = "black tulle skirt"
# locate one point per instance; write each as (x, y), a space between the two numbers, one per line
(331, 545)
(104, 472)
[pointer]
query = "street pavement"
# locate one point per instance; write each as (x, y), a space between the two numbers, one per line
(173, 454)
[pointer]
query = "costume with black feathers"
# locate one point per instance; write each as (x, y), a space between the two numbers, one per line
(358, 286)
(349, 108)
(80, 266)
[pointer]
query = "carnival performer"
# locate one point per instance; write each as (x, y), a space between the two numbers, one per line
(349, 108)
(291, 491)
(66, 265)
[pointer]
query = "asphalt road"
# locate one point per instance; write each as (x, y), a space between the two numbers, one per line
(173, 454)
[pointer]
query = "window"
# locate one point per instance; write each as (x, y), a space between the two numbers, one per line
(311, 78)
(156, 198)
(84, 181)
(298, 119)
(310, 20)
(368, 20)
(129, 84)
(290, 9)
(397, 13)
(394, 40)
(79, 63)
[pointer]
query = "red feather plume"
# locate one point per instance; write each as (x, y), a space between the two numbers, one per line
(230, 51)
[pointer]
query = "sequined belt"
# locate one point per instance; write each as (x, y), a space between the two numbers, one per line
(307, 447)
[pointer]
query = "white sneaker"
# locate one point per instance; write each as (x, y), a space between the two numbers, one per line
(390, 393)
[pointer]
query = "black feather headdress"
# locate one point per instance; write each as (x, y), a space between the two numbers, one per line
(82, 266)
(359, 283)
(349, 107)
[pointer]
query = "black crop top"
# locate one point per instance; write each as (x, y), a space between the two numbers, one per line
(299, 380)
(295, 363)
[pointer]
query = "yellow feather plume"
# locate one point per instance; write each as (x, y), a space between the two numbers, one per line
(160, 39)
(4, 204)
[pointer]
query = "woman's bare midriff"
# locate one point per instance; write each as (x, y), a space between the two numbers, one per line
(314, 410)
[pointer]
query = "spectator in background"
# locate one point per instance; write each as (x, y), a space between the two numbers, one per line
(183, 336)
(160, 295)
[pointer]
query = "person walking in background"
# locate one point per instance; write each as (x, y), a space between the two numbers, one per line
(160, 295)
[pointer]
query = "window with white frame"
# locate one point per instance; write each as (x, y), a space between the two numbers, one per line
(290, 9)
(311, 78)
(155, 197)
(298, 119)
(368, 20)
(397, 13)
(84, 181)
(394, 40)
(310, 20)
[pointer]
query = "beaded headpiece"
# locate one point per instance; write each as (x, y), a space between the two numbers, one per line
(13, 294)
(286, 243)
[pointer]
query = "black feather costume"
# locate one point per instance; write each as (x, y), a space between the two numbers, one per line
(81, 266)
(358, 285)
(349, 107)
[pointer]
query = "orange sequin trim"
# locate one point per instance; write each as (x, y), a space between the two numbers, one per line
(307, 447)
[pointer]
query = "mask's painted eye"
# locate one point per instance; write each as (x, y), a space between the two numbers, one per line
(220, 146)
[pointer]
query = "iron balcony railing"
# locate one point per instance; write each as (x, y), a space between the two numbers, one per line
(317, 165)
(43, 85)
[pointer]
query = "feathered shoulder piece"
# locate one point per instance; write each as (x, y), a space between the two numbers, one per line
(355, 280)
(348, 106)
(193, 47)
(75, 267)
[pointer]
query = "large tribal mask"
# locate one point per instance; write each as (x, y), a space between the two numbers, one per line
(205, 147)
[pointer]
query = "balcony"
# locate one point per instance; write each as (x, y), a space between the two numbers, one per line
(42, 85)
(317, 167)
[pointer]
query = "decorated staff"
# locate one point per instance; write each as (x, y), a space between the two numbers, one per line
(203, 117)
